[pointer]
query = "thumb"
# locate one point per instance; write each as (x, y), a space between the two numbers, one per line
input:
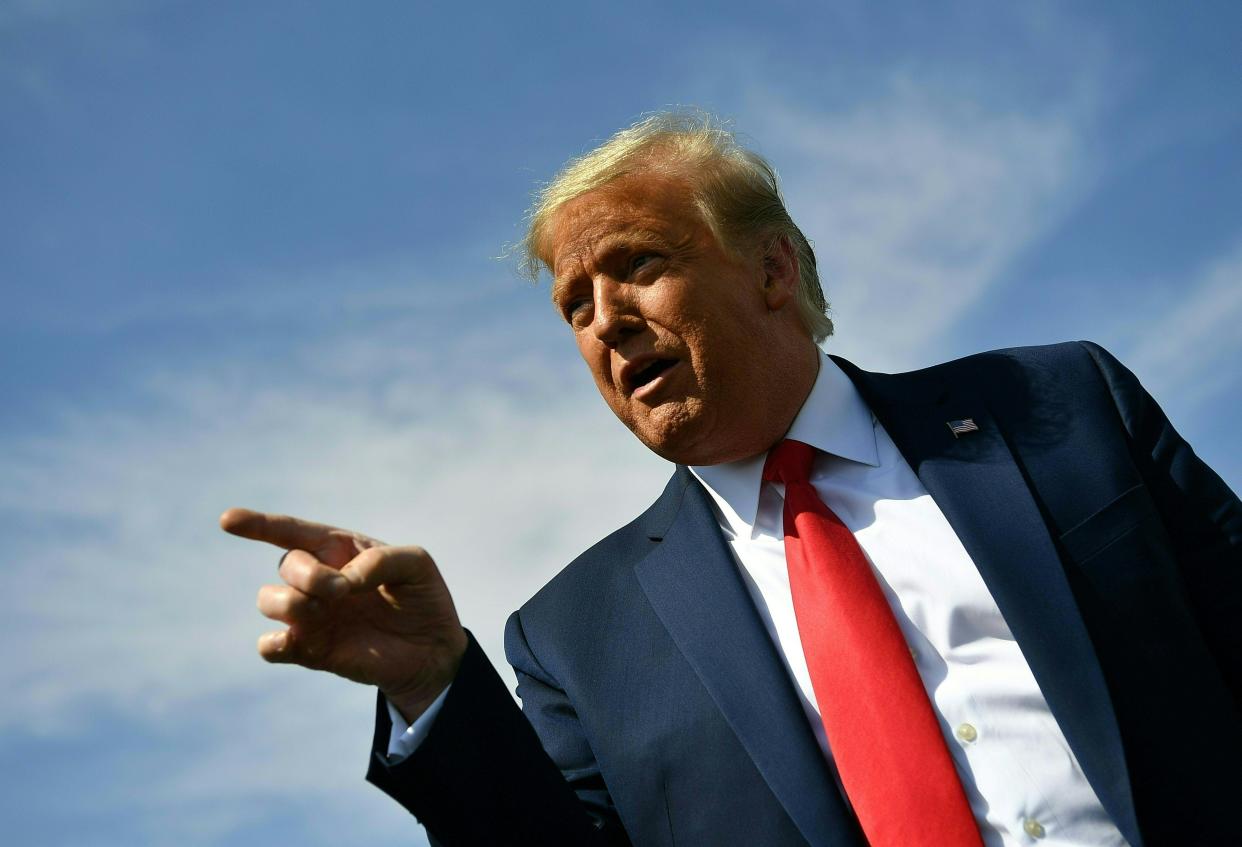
(387, 566)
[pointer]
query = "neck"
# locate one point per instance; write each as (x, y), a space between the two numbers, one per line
(786, 383)
(797, 386)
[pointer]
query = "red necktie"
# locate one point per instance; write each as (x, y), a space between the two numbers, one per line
(884, 737)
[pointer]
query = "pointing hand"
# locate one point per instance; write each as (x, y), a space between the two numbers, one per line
(369, 612)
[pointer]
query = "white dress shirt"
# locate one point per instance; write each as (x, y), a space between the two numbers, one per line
(1024, 784)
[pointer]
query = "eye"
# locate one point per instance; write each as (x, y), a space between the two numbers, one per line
(642, 260)
(575, 310)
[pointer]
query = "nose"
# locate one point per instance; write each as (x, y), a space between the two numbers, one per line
(616, 316)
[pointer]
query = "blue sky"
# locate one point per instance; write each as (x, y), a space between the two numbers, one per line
(249, 257)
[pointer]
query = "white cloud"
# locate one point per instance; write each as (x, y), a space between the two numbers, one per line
(917, 200)
(131, 601)
(367, 287)
(149, 606)
(1190, 350)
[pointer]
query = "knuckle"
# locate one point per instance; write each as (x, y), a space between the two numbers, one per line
(267, 598)
(363, 542)
(294, 571)
(411, 553)
(325, 583)
(372, 557)
(279, 602)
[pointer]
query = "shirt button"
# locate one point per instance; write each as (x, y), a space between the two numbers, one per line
(1033, 828)
(966, 732)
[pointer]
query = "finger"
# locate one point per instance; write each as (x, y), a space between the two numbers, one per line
(388, 566)
(288, 605)
(277, 647)
(290, 646)
(281, 530)
(311, 576)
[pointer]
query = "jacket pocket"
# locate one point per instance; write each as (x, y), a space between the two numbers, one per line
(1128, 511)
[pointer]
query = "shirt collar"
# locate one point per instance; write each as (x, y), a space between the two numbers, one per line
(834, 419)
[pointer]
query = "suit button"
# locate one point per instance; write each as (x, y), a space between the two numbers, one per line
(967, 733)
(1033, 828)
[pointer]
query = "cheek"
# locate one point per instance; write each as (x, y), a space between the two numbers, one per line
(599, 363)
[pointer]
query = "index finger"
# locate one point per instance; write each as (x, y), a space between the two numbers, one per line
(281, 530)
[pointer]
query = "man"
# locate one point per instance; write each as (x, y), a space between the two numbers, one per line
(796, 644)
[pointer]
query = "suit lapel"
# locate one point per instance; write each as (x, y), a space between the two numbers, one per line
(980, 488)
(693, 585)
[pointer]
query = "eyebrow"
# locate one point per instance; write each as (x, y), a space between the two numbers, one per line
(558, 286)
(628, 239)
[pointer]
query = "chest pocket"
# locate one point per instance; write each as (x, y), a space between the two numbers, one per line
(1130, 511)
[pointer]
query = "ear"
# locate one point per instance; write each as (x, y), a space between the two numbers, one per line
(780, 273)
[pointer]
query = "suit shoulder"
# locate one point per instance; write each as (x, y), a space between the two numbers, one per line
(1066, 368)
(1066, 354)
(1073, 355)
(1070, 380)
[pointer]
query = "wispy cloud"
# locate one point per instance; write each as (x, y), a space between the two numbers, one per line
(369, 287)
(137, 563)
(135, 605)
(1190, 351)
(917, 200)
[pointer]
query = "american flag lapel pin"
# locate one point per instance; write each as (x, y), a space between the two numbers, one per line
(960, 428)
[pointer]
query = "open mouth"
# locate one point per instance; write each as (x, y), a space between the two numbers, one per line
(650, 372)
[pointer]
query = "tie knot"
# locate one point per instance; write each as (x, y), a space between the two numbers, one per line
(789, 461)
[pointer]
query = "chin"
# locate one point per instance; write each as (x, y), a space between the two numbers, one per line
(674, 432)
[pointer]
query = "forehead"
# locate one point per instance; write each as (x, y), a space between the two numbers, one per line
(637, 208)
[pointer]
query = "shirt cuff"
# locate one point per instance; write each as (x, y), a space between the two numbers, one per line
(405, 738)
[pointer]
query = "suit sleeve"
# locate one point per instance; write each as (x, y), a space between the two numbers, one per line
(483, 777)
(1202, 515)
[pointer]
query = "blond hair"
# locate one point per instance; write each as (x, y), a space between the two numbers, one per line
(735, 189)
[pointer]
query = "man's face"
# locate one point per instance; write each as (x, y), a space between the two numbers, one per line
(673, 327)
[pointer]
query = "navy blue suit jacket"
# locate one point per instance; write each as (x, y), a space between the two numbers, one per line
(656, 710)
